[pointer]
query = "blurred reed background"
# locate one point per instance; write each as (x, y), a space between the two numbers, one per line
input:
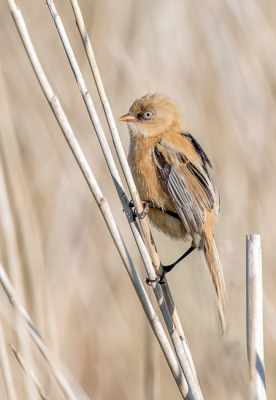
(217, 59)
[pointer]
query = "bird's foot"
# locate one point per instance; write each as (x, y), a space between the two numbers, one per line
(151, 281)
(146, 208)
(159, 279)
(156, 280)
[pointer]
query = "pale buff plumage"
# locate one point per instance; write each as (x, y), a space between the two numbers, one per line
(170, 169)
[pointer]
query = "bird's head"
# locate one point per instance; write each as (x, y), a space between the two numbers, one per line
(153, 115)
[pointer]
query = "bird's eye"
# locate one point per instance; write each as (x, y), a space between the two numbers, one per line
(148, 115)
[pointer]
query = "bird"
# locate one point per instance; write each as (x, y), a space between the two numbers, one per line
(172, 175)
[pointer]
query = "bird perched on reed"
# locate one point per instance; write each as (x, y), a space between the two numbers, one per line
(171, 172)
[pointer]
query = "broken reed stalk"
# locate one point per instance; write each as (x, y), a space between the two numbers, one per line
(252, 332)
(30, 374)
(183, 353)
(254, 317)
(101, 201)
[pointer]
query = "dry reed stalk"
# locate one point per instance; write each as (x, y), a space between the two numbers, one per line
(26, 228)
(183, 353)
(151, 364)
(31, 374)
(5, 368)
(254, 316)
(12, 296)
(252, 332)
(13, 261)
(101, 201)
(27, 232)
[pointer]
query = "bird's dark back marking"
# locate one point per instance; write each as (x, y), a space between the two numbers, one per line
(199, 150)
(161, 159)
(163, 172)
(182, 158)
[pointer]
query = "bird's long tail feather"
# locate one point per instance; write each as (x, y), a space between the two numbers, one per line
(213, 262)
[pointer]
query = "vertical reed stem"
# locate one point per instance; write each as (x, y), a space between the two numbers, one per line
(254, 316)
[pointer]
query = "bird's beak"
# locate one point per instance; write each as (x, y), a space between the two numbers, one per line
(127, 118)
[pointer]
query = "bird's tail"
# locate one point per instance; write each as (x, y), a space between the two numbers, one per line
(212, 258)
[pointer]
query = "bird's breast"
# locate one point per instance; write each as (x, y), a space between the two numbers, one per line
(145, 174)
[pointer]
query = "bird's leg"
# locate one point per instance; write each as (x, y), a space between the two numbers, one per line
(168, 268)
(147, 205)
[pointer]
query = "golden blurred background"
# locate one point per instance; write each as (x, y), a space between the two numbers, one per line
(217, 59)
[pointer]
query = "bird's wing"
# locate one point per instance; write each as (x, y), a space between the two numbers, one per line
(186, 182)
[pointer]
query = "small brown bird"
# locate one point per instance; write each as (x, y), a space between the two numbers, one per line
(171, 173)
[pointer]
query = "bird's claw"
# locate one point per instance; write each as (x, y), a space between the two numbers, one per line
(151, 281)
(158, 279)
(141, 215)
